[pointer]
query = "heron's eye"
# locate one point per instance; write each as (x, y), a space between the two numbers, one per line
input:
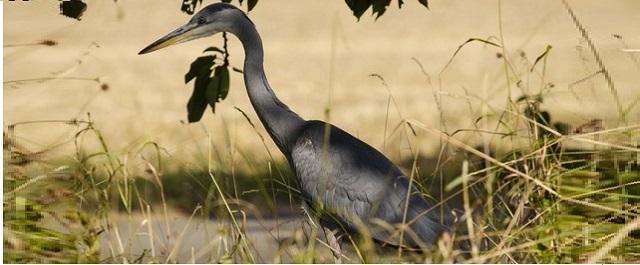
(202, 20)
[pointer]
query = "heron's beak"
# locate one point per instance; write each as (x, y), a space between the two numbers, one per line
(182, 34)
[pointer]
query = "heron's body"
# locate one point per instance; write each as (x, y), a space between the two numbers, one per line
(359, 185)
(337, 172)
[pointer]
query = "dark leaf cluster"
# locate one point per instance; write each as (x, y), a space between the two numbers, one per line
(73, 8)
(211, 83)
(189, 6)
(358, 7)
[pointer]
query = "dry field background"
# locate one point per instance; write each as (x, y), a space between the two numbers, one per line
(317, 56)
(99, 205)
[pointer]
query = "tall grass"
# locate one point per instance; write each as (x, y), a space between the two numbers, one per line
(526, 188)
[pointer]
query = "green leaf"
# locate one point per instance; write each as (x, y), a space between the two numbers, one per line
(189, 6)
(454, 183)
(198, 102)
(358, 6)
(223, 73)
(380, 6)
(200, 65)
(211, 94)
(200, 70)
(73, 8)
(218, 87)
(251, 4)
(425, 3)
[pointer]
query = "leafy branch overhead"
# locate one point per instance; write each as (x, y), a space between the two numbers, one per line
(358, 7)
(189, 6)
(75, 8)
(211, 80)
(378, 6)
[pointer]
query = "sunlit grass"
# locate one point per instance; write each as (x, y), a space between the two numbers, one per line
(541, 202)
(528, 188)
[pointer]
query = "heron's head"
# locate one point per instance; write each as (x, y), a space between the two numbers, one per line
(214, 18)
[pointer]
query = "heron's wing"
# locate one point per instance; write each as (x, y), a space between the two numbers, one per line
(359, 184)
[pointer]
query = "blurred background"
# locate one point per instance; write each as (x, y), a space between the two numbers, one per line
(317, 56)
(367, 76)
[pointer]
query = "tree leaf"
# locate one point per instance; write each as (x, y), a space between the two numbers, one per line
(189, 6)
(73, 8)
(198, 101)
(251, 4)
(222, 72)
(218, 87)
(198, 66)
(213, 88)
(358, 7)
(380, 6)
(425, 3)
(200, 70)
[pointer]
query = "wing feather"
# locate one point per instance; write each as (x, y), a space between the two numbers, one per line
(358, 183)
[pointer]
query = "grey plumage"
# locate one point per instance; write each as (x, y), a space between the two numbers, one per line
(359, 184)
(344, 176)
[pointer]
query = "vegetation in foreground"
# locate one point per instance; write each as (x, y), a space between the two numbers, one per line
(540, 201)
(529, 189)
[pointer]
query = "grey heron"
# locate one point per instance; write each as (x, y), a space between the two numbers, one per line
(343, 175)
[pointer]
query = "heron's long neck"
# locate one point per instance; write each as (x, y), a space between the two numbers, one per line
(277, 118)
